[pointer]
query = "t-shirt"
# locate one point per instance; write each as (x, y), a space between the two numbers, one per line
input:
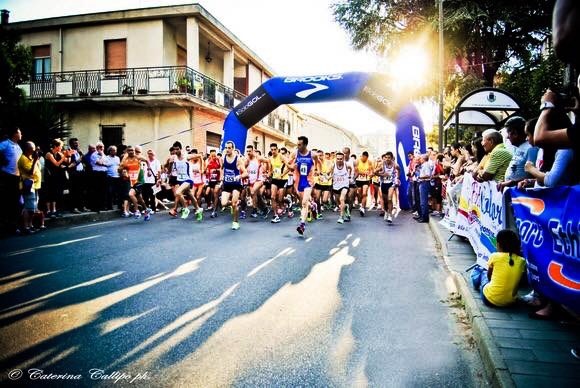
(152, 170)
(24, 165)
(497, 164)
(10, 154)
(502, 289)
(520, 155)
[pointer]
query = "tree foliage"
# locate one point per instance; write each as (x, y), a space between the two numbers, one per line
(480, 35)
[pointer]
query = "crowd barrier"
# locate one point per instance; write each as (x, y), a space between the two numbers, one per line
(547, 220)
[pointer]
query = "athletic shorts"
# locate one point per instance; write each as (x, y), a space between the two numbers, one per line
(352, 185)
(385, 187)
(279, 183)
(376, 184)
(362, 183)
(339, 191)
(320, 187)
(229, 188)
(212, 184)
(179, 183)
(172, 180)
(198, 185)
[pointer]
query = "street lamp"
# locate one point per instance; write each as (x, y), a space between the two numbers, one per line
(441, 75)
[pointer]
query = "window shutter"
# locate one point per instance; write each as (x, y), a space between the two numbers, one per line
(41, 51)
(115, 54)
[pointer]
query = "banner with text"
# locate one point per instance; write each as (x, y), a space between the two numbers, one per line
(548, 221)
(479, 216)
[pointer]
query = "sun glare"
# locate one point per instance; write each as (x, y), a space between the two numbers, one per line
(409, 68)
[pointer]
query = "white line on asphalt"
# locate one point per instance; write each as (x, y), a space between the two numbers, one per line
(28, 250)
(89, 225)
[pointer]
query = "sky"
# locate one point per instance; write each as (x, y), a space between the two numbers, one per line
(297, 37)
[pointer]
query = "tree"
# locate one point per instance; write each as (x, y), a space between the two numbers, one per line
(481, 35)
(15, 65)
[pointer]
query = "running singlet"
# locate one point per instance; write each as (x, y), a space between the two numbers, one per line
(277, 166)
(392, 174)
(213, 170)
(181, 168)
(195, 172)
(340, 178)
(363, 171)
(325, 177)
(231, 171)
(253, 171)
(304, 164)
(133, 169)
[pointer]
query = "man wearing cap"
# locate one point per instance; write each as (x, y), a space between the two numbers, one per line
(521, 151)
(499, 157)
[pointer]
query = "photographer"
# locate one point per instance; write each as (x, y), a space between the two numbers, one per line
(56, 163)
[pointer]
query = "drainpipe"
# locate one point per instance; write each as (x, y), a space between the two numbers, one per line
(60, 51)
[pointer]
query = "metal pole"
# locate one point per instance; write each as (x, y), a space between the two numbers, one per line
(441, 75)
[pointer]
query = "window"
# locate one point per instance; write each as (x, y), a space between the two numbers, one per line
(213, 139)
(112, 135)
(115, 55)
(41, 62)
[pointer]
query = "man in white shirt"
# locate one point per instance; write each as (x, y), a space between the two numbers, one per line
(99, 177)
(10, 152)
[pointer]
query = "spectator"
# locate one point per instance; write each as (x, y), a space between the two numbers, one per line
(77, 178)
(499, 283)
(521, 150)
(10, 153)
(99, 177)
(113, 179)
(459, 161)
(499, 157)
(30, 184)
(412, 198)
(436, 185)
(424, 179)
(55, 167)
(152, 178)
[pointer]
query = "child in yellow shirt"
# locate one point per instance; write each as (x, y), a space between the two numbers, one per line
(499, 283)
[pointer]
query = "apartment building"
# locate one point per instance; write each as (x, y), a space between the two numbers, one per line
(149, 76)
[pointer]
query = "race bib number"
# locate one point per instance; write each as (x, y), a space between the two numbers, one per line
(290, 180)
(213, 176)
(340, 180)
(277, 172)
(229, 178)
(182, 177)
(303, 169)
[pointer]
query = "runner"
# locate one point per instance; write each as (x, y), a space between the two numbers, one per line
(180, 168)
(389, 174)
(233, 171)
(212, 173)
(196, 170)
(363, 175)
(323, 187)
(255, 178)
(340, 184)
(351, 184)
(130, 169)
(303, 163)
(278, 167)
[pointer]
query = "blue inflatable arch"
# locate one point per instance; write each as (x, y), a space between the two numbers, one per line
(371, 89)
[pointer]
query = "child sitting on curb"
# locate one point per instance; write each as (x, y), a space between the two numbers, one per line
(499, 283)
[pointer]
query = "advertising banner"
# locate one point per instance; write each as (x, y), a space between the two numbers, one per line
(548, 222)
(479, 216)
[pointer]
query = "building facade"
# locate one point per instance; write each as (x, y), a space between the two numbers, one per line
(149, 76)
(327, 136)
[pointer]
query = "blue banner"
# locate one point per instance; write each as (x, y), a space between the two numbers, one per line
(410, 137)
(548, 222)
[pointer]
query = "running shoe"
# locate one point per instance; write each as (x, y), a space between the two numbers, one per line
(209, 209)
(290, 214)
(199, 214)
(336, 209)
(309, 218)
(340, 220)
(126, 215)
(172, 213)
(301, 228)
(235, 225)
(254, 214)
(184, 213)
(275, 220)
(147, 216)
(213, 214)
(319, 216)
(242, 215)
(137, 215)
(361, 210)
(389, 219)
(266, 212)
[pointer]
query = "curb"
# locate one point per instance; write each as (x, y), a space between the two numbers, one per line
(493, 362)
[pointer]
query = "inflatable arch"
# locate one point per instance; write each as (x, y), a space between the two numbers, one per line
(369, 88)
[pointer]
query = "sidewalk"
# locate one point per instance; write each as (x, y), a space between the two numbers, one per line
(516, 350)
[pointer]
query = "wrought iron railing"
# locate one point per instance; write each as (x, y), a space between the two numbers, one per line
(139, 81)
(132, 81)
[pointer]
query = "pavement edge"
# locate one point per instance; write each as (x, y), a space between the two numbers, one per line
(494, 364)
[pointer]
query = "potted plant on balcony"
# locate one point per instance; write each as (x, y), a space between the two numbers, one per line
(184, 85)
(95, 92)
(127, 89)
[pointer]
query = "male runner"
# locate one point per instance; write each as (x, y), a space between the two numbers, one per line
(212, 172)
(278, 165)
(351, 183)
(303, 163)
(233, 171)
(323, 187)
(363, 174)
(130, 170)
(389, 174)
(253, 165)
(340, 184)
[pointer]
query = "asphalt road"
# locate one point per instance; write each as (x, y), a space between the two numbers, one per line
(174, 302)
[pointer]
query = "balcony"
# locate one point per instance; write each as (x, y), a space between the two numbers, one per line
(155, 86)
(146, 81)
